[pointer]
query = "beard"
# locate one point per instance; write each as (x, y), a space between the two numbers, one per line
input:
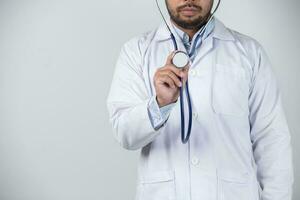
(190, 23)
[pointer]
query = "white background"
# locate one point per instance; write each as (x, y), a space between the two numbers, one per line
(56, 64)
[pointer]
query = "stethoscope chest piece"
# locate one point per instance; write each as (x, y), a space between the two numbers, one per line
(180, 59)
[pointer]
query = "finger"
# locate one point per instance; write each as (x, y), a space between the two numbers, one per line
(185, 75)
(185, 71)
(166, 79)
(169, 58)
(187, 67)
(173, 76)
(174, 69)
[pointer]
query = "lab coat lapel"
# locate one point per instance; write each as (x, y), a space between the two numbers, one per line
(203, 50)
(163, 34)
(220, 32)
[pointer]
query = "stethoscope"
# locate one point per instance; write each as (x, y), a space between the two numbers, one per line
(181, 59)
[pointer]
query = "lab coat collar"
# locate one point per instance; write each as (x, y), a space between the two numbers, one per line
(219, 32)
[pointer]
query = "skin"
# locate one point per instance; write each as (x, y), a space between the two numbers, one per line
(189, 16)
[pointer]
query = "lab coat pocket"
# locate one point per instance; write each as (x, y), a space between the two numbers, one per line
(158, 185)
(234, 186)
(229, 90)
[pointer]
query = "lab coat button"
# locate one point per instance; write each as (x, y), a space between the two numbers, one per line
(195, 115)
(195, 160)
(193, 72)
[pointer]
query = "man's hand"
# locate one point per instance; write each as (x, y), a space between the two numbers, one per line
(167, 82)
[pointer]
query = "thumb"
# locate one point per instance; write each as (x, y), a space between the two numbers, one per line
(185, 73)
(169, 58)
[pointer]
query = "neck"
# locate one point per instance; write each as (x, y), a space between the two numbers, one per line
(189, 32)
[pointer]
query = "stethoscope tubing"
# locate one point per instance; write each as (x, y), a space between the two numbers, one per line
(185, 137)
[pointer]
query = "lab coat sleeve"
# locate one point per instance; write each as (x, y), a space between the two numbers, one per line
(128, 100)
(270, 136)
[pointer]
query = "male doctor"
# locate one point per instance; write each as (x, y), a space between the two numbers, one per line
(240, 145)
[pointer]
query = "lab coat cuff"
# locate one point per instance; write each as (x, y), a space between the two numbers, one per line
(158, 116)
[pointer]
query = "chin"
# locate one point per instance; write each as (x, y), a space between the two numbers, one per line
(189, 18)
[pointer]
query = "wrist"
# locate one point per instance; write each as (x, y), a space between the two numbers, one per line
(162, 103)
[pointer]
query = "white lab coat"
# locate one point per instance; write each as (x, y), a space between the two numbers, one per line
(239, 147)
